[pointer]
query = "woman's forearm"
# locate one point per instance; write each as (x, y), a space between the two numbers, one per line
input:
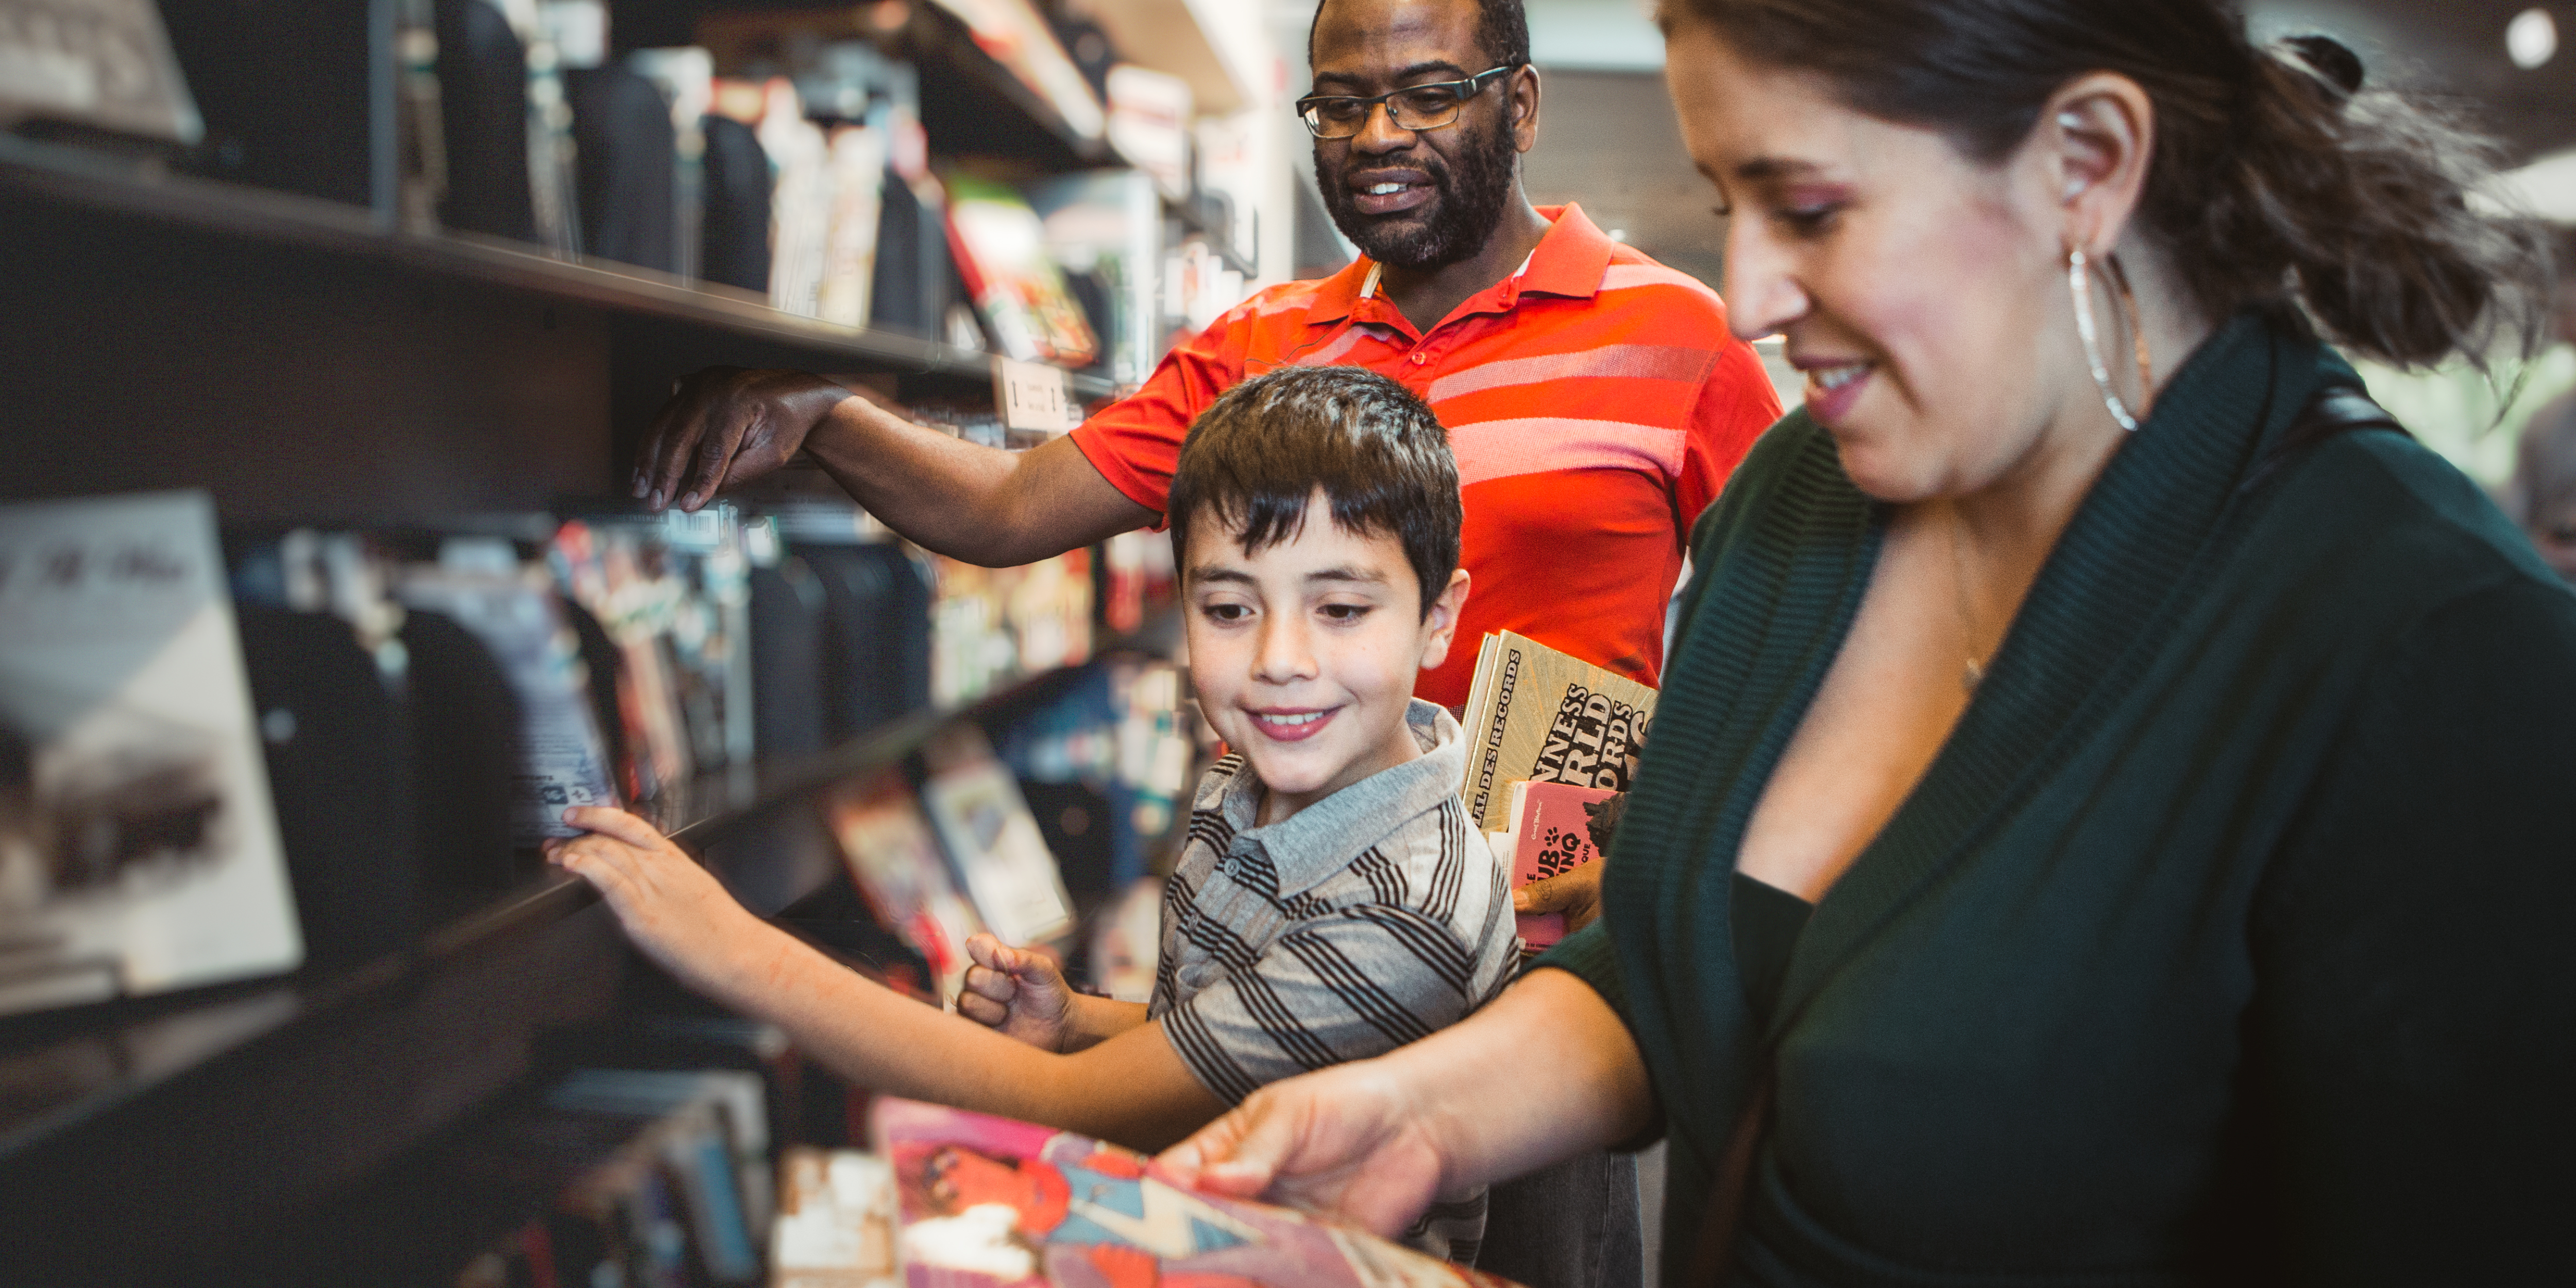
(1545, 1073)
(1541, 1075)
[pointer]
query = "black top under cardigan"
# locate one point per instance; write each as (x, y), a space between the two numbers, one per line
(2231, 937)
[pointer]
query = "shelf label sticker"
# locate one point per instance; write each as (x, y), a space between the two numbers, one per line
(1034, 396)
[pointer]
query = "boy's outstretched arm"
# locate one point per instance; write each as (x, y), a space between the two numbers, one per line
(1131, 1088)
(1023, 995)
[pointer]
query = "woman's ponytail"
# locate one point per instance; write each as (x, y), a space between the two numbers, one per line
(2282, 181)
(2355, 202)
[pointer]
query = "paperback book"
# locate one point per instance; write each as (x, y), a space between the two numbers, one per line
(1548, 837)
(512, 610)
(1539, 715)
(896, 862)
(992, 1203)
(1001, 251)
(994, 841)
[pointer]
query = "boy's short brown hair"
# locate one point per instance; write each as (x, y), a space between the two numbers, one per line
(1254, 458)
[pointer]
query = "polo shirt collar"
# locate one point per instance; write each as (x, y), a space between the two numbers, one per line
(1569, 261)
(1571, 258)
(1309, 846)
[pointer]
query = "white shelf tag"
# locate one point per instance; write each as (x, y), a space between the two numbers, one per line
(1034, 396)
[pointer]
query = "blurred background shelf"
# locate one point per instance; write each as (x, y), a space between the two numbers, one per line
(416, 294)
(113, 1118)
(145, 200)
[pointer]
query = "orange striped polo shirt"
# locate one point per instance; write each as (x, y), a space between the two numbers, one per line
(1595, 401)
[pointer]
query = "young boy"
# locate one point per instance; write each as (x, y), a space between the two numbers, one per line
(1332, 902)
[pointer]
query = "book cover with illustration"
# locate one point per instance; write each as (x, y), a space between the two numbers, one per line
(993, 840)
(139, 851)
(1549, 836)
(988, 1202)
(1537, 715)
(895, 860)
(1001, 249)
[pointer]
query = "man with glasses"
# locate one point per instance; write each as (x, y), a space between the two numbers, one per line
(1594, 399)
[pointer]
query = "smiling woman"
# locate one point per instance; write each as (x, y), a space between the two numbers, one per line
(2105, 822)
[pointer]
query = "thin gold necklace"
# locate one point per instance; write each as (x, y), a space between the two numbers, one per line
(1973, 670)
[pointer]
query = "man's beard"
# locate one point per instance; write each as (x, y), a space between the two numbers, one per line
(1455, 226)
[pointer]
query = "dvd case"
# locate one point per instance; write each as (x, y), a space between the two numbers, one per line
(139, 850)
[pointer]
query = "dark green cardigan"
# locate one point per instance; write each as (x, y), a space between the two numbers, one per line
(2232, 935)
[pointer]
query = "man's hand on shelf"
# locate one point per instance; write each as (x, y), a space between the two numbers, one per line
(1017, 991)
(728, 425)
(670, 906)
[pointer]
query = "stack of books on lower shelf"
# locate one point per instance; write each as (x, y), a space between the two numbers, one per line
(669, 1182)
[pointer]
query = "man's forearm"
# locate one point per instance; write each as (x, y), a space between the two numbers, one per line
(980, 504)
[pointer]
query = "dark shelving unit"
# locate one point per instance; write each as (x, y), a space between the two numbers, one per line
(973, 106)
(308, 361)
(181, 1138)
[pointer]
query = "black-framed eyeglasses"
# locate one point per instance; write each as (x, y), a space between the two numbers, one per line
(1415, 107)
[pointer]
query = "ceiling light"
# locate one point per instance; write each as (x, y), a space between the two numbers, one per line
(2531, 38)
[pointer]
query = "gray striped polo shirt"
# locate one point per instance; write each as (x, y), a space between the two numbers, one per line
(1369, 919)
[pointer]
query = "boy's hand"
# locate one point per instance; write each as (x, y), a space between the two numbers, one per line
(671, 907)
(1017, 991)
(1576, 893)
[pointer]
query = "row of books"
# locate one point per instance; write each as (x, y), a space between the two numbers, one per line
(666, 1182)
(309, 745)
(783, 153)
(618, 641)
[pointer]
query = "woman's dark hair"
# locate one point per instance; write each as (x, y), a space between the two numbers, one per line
(2279, 179)
(1254, 458)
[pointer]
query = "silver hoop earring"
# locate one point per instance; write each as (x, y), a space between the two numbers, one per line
(2079, 280)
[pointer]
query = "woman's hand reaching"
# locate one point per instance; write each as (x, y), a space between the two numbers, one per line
(1017, 991)
(1375, 1141)
(1346, 1141)
(670, 906)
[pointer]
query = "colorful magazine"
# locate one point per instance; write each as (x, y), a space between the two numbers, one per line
(992, 1203)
